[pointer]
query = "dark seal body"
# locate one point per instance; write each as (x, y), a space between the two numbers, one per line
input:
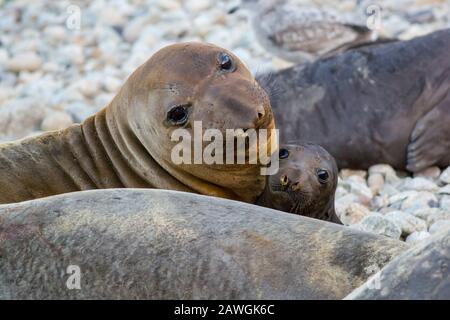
(387, 103)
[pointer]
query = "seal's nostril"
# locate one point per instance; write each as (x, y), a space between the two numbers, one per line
(295, 186)
(284, 180)
(260, 115)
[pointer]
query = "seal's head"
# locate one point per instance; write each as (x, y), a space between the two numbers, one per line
(305, 183)
(190, 86)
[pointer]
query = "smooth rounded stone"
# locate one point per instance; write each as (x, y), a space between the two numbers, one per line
(420, 273)
(343, 202)
(445, 189)
(353, 214)
(346, 173)
(444, 204)
(445, 176)
(439, 226)
(56, 120)
(430, 173)
(375, 182)
(55, 32)
(417, 236)
(27, 61)
(357, 186)
(89, 86)
(159, 244)
(424, 213)
(387, 171)
(378, 224)
(407, 222)
(419, 184)
(133, 28)
(419, 201)
(4, 57)
(379, 202)
(436, 216)
(388, 190)
(112, 84)
(20, 117)
(79, 111)
(196, 6)
(340, 192)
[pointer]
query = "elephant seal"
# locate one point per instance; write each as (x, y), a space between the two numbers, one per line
(422, 272)
(128, 143)
(159, 244)
(305, 183)
(388, 103)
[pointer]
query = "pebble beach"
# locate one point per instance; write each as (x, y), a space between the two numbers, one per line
(61, 61)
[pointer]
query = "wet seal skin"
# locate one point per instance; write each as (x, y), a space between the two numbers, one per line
(160, 244)
(305, 184)
(387, 103)
(128, 143)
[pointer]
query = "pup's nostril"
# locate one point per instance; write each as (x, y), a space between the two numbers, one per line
(295, 186)
(260, 115)
(284, 180)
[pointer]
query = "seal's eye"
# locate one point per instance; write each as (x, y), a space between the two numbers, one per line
(178, 115)
(283, 153)
(225, 62)
(323, 176)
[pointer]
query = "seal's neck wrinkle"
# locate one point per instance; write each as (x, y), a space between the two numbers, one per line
(110, 151)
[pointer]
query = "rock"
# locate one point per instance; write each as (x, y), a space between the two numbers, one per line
(56, 121)
(379, 202)
(388, 190)
(387, 171)
(445, 176)
(27, 61)
(197, 6)
(342, 203)
(407, 222)
(375, 182)
(133, 28)
(112, 84)
(425, 213)
(439, 226)
(445, 203)
(418, 201)
(378, 224)
(20, 117)
(346, 173)
(357, 186)
(417, 236)
(445, 189)
(420, 184)
(89, 86)
(353, 213)
(436, 216)
(430, 173)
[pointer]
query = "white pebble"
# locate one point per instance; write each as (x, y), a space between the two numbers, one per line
(28, 61)
(417, 236)
(56, 121)
(445, 176)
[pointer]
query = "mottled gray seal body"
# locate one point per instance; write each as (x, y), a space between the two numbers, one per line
(158, 244)
(388, 103)
(422, 272)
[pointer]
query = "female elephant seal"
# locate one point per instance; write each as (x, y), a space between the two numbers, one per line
(128, 143)
(305, 183)
(388, 103)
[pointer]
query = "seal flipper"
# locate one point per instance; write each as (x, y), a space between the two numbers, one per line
(430, 140)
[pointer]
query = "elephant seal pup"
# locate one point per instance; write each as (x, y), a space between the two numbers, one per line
(388, 103)
(421, 273)
(128, 143)
(159, 244)
(305, 183)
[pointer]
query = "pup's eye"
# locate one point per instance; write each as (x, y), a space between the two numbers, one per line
(178, 115)
(225, 62)
(283, 153)
(323, 176)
